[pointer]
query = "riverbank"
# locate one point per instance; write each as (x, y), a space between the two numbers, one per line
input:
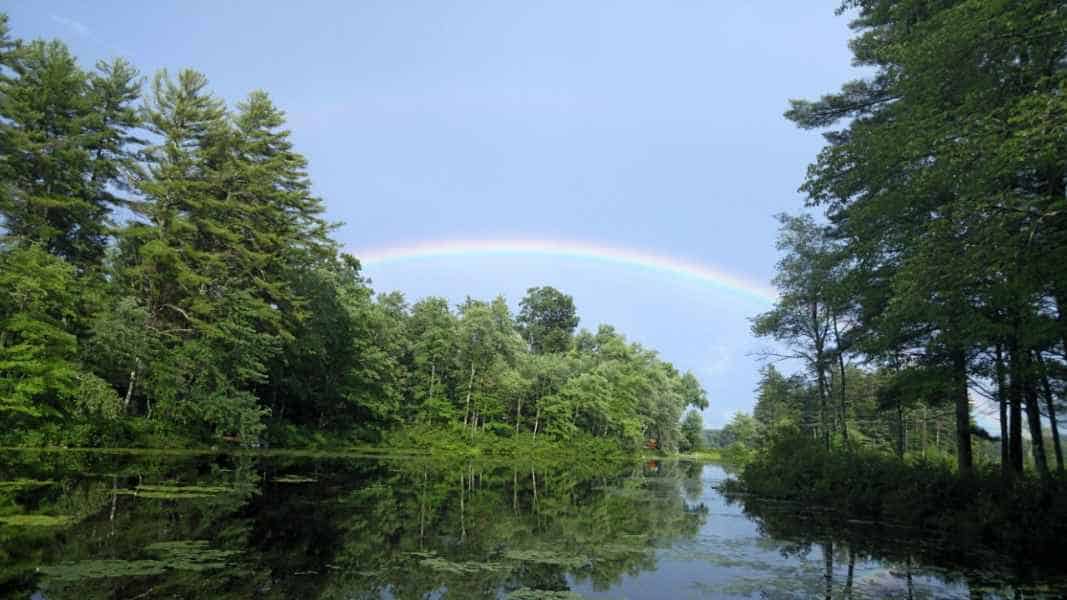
(714, 456)
(413, 442)
(1026, 517)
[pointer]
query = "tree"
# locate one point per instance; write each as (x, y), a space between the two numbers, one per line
(947, 195)
(780, 399)
(693, 432)
(803, 317)
(547, 320)
(264, 198)
(488, 342)
(739, 438)
(432, 332)
(186, 262)
(9, 48)
(39, 369)
(65, 142)
(221, 299)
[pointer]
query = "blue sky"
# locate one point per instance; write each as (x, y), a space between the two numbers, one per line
(654, 126)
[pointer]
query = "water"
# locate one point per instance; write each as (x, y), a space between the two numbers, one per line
(90, 525)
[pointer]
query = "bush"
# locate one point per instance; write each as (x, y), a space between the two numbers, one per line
(922, 493)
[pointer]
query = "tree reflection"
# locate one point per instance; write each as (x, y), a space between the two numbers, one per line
(866, 559)
(334, 528)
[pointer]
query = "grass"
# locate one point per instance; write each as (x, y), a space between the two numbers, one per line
(710, 455)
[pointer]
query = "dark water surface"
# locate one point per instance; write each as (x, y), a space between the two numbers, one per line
(91, 525)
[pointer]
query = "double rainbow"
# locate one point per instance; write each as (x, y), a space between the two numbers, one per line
(572, 250)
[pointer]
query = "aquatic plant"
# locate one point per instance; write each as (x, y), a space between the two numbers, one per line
(36, 520)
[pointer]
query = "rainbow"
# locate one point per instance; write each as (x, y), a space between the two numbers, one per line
(574, 250)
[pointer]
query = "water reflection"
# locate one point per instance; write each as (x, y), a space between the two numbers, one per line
(246, 526)
(240, 526)
(871, 560)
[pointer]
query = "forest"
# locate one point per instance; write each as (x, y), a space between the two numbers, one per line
(926, 306)
(169, 279)
(201, 391)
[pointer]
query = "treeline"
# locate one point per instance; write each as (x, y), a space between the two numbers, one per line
(939, 275)
(166, 271)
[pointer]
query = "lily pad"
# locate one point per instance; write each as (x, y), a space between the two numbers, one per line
(175, 492)
(180, 555)
(293, 479)
(93, 569)
(18, 484)
(532, 594)
(36, 520)
(547, 557)
(443, 565)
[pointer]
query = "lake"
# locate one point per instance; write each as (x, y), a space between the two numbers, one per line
(286, 525)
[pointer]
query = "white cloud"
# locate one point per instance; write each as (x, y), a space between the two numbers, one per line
(76, 26)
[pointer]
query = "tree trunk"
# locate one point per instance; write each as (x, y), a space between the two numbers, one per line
(422, 510)
(828, 568)
(900, 429)
(518, 415)
(911, 582)
(1061, 317)
(114, 501)
(462, 508)
(823, 416)
(1015, 413)
(470, 389)
(1002, 403)
(533, 479)
(851, 571)
(964, 458)
(1051, 404)
(129, 392)
(433, 375)
(844, 399)
(924, 440)
(1033, 417)
(820, 373)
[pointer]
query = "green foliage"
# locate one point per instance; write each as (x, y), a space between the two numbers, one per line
(924, 493)
(943, 187)
(692, 432)
(739, 439)
(226, 524)
(38, 353)
(62, 149)
(220, 309)
(547, 319)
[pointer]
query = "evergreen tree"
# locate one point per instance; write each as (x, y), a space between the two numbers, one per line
(65, 139)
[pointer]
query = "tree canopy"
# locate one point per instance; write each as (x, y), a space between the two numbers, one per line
(168, 275)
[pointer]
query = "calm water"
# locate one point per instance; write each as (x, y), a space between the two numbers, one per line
(81, 525)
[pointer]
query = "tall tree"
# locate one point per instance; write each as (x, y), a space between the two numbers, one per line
(65, 140)
(802, 318)
(946, 182)
(186, 262)
(433, 335)
(547, 319)
(693, 431)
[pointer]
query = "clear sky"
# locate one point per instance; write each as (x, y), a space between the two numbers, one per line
(651, 126)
